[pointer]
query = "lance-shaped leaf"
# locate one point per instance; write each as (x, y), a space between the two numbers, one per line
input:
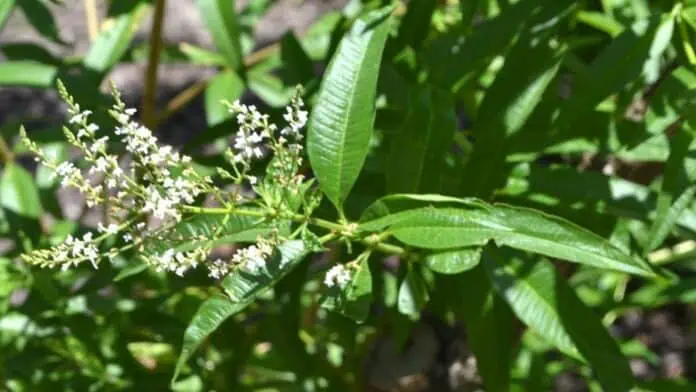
(341, 122)
(418, 152)
(41, 18)
(447, 227)
(221, 19)
(678, 188)
(239, 290)
(548, 305)
(113, 42)
(507, 105)
(488, 321)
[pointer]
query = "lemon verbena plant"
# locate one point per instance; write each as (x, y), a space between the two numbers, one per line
(152, 190)
(490, 162)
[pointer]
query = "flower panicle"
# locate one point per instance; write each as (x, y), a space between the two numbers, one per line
(146, 194)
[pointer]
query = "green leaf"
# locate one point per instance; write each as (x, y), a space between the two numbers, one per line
(435, 227)
(663, 35)
(489, 325)
(354, 301)
(689, 15)
(297, 66)
(453, 261)
(600, 21)
(415, 25)
(226, 85)
(5, 11)
(507, 105)
(27, 73)
(657, 294)
(673, 385)
(209, 230)
(341, 122)
(221, 19)
(678, 188)
(418, 151)
(239, 290)
(270, 88)
(392, 204)
(23, 51)
(18, 193)
(201, 56)
(40, 17)
(620, 63)
(455, 59)
(413, 294)
(112, 43)
(548, 305)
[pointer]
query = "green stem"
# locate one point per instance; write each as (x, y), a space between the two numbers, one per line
(150, 94)
(373, 241)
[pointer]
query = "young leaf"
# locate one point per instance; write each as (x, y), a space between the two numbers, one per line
(354, 301)
(238, 291)
(453, 261)
(413, 294)
(18, 193)
(221, 19)
(418, 152)
(548, 305)
(341, 122)
(225, 85)
(112, 43)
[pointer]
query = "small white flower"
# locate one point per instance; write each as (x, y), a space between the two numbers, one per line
(338, 275)
(80, 117)
(218, 269)
(111, 229)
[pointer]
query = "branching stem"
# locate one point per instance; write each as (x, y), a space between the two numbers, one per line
(372, 241)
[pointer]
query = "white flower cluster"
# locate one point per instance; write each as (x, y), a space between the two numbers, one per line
(147, 194)
(218, 269)
(296, 118)
(254, 130)
(177, 262)
(338, 275)
(70, 253)
(253, 257)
